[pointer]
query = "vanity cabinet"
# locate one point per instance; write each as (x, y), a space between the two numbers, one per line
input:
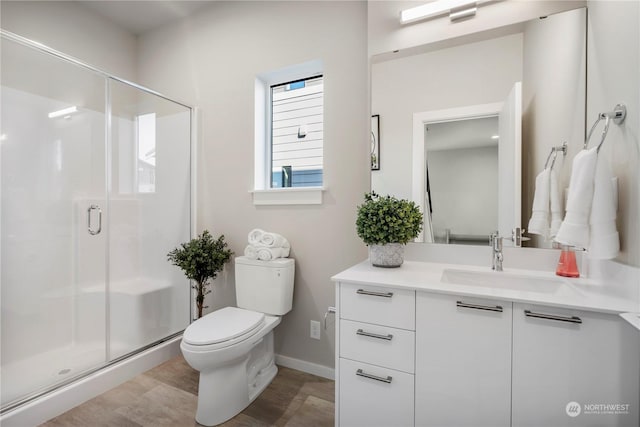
(376, 336)
(463, 361)
(413, 357)
(562, 356)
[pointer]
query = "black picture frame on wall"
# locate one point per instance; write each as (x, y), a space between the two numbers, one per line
(375, 142)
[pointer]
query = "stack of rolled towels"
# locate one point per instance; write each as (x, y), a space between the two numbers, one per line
(266, 246)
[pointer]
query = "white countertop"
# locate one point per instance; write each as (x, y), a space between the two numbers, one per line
(633, 319)
(580, 293)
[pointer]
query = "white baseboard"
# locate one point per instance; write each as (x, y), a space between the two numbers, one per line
(304, 366)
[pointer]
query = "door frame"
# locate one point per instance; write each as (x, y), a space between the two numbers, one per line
(419, 152)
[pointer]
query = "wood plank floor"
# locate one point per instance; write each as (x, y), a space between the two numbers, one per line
(167, 396)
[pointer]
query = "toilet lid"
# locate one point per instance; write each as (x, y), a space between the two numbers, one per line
(222, 325)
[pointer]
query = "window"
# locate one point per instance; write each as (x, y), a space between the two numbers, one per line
(289, 136)
(296, 158)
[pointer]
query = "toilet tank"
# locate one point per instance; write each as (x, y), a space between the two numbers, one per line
(265, 286)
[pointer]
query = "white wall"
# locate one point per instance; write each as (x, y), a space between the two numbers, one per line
(475, 73)
(74, 30)
(613, 59)
(211, 60)
(554, 63)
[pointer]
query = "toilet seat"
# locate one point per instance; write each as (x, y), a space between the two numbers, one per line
(223, 327)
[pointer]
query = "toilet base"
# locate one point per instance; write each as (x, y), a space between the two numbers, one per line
(224, 392)
(264, 379)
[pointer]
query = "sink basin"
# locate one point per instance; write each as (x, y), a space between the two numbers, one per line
(503, 280)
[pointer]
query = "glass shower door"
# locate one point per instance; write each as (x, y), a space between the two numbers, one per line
(52, 234)
(150, 207)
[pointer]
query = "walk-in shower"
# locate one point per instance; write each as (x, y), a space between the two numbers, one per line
(95, 191)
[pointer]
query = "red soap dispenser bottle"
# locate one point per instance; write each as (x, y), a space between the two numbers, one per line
(567, 265)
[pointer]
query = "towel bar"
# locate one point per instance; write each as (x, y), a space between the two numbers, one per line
(618, 115)
(554, 152)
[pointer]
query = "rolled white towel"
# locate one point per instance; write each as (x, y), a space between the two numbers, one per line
(273, 240)
(267, 254)
(255, 236)
(574, 230)
(251, 252)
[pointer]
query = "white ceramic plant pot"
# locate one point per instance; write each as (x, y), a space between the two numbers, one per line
(388, 256)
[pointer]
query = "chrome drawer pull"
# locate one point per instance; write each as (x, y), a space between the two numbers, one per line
(375, 294)
(572, 319)
(497, 308)
(361, 373)
(372, 335)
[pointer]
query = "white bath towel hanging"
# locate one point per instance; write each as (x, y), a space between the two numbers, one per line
(604, 242)
(574, 230)
(555, 204)
(539, 222)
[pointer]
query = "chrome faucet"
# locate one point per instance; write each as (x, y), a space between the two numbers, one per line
(496, 249)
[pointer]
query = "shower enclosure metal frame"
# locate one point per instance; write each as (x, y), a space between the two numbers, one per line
(108, 78)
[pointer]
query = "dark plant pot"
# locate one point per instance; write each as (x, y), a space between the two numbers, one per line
(390, 255)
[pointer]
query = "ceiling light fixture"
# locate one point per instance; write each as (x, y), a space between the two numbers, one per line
(495, 136)
(463, 13)
(457, 9)
(63, 112)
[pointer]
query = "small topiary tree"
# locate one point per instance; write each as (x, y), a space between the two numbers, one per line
(201, 259)
(383, 220)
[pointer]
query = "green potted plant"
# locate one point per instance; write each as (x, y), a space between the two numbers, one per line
(386, 224)
(201, 259)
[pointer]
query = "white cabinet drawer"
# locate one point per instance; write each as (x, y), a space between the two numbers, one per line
(371, 396)
(378, 305)
(378, 345)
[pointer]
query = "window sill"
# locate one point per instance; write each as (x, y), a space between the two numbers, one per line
(288, 196)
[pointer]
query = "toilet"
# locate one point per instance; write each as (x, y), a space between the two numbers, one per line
(233, 347)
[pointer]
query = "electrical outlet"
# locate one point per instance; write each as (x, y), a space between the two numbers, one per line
(314, 330)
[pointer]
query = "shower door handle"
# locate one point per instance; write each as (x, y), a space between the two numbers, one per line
(89, 227)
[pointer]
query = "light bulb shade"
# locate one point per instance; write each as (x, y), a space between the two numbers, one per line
(63, 112)
(436, 8)
(463, 13)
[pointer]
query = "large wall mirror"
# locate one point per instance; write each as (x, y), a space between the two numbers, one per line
(465, 126)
